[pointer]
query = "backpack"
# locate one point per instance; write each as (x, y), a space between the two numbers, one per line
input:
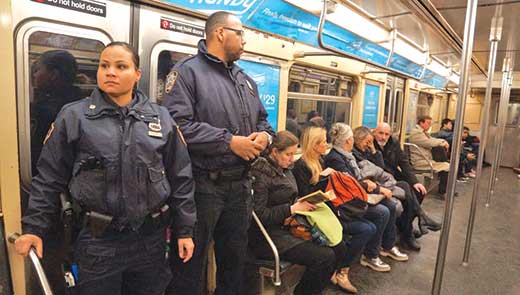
(351, 197)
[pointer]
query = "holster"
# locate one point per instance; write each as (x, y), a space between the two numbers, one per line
(97, 222)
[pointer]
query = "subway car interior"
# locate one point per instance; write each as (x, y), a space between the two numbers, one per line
(360, 62)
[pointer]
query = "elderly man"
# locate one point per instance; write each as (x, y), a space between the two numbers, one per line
(396, 162)
(422, 138)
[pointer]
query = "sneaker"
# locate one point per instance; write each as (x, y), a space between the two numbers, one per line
(395, 254)
(375, 263)
(471, 174)
(462, 180)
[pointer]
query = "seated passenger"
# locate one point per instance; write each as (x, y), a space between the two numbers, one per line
(446, 131)
(469, 152)
(383, 215)
(275, 194)
(291, 124)
(420, 137)
(396, 162)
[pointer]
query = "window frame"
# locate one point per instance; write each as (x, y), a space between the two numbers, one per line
(23, 84)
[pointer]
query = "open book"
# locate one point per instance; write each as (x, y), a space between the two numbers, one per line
(318, 197)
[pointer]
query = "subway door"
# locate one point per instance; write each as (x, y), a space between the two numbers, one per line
(164, 39)
(57, 53)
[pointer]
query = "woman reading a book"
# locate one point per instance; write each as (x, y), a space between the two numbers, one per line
(309, 174)
(275, 194)
(340, 158)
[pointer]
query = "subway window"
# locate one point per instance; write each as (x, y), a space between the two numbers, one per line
(62, 70)
(167, 59)
(317, 98)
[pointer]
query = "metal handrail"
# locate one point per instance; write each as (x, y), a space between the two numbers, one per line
(42, 278)
(276, 280)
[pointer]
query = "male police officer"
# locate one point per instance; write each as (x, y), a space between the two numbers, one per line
(220, 114)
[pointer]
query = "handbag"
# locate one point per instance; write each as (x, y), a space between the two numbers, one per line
(324, 220)
(299, 227)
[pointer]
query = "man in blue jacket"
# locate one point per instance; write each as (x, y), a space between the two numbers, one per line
(225, 125)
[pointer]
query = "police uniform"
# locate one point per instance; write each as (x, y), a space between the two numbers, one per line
(129, 164)
(212, 101)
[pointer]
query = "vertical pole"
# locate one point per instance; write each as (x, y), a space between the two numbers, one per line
(469, 31)
(494, 38)
(502, 115)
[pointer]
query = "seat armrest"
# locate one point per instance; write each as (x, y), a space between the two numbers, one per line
(276, 279)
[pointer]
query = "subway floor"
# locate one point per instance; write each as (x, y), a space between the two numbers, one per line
(494, 266)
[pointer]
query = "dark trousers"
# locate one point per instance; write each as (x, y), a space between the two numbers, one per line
(320, 263)
(443, 183)
(223, 214)
(411, 208)
(383, 217)
(122, 264)
(360, 231)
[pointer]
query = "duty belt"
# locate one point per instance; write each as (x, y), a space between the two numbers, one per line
(226, 174)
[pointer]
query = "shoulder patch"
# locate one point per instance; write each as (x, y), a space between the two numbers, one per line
(181, 136)
(49, 133)
(170, 81)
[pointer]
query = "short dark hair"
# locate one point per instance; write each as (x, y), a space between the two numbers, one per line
(466, 128)
(312, 114)
(445, 122)
(423, 118)
(129, 48)
(61, 61)
(217, 19)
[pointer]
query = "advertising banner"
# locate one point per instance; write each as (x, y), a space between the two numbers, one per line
(371, 105)
(267, 78)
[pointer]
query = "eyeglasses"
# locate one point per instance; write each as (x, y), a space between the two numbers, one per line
(240, 33)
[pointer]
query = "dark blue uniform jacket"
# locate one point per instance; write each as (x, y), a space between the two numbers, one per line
(139, 172)
(211, 102)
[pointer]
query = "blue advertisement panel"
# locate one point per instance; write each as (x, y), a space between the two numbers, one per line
(433, 79)
(238, 7)
(371, 106)
(267, 78)
(404, 65)
(281, 18)
(349, 42)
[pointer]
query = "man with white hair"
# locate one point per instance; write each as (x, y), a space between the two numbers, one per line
(397, 163)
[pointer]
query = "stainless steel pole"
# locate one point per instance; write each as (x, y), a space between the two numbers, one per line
(502, 114)
(467, 48)
(494, 38)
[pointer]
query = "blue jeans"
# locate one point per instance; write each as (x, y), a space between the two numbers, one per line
(361, 231)
(383, 217)
(224, 211)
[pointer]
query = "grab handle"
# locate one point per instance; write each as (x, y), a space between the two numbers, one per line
(42, 278)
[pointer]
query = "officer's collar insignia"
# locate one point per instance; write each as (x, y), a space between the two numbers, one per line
(170, 81)
(49, 133)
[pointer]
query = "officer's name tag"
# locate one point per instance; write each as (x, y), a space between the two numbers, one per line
(157, 134)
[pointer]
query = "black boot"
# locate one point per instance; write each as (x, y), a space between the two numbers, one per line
(425, 220)
(410, 243)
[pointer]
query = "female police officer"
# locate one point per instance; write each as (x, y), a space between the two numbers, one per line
(126, 165)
